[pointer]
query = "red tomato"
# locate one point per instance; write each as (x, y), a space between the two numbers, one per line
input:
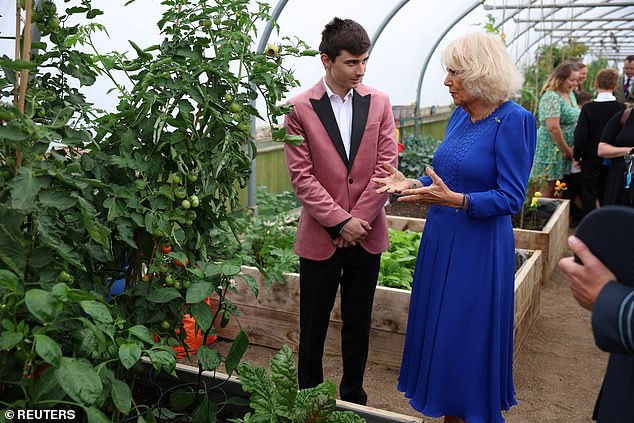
(180, 263)
(166, 249)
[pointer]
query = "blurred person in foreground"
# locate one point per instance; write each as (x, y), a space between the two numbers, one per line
(595, 288)
(348, 131)
(558, 113)
(592, 120)
(458, 352)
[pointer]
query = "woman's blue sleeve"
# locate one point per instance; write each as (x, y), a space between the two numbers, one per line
(425, 180)
(514, 151)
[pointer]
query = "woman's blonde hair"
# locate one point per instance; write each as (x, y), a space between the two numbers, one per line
(559, 75)
(481, 60)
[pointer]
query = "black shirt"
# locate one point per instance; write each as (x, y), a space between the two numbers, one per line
(592, 119)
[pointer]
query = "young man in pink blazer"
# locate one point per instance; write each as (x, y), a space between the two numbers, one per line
(349, 132)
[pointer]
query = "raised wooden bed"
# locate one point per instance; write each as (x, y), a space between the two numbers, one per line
(551, 240)
(272, 319)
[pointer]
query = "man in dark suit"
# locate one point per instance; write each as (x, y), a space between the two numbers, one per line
(625, 90)
(595, 288)
(349, 133)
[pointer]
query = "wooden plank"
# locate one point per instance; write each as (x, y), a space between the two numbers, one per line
(527, 299)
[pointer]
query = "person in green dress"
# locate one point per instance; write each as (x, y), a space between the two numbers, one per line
(558, 113)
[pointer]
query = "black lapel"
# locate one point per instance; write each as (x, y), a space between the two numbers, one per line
(324, 111)
(360, 109)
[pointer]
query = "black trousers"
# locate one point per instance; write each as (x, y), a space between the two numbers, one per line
(356, 271)
(594, 176)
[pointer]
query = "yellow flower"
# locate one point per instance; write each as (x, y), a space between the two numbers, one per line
(535, 199)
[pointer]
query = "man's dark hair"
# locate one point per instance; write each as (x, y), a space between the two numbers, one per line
(629, 58)
(344, 34)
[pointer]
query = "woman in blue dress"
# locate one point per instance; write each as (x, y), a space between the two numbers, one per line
(458, 352)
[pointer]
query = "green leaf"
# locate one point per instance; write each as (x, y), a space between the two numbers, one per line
(48, 350)
(94, 415)
(143, 333)
(199, 291)
(203, 315)
(79, 380)
(237, 350)
(121, 396)
(8, 280)
(11, 135)
(209, 357)
(24, 188)
(255, 381)
(163, 360)
(230, 268)
(181, 399)
(284, 377)
(56, 199)
(41, 304)
(163, 295)
(129, 354)
(96, 310)
(17, 64)
(9, 340)
(98, 232)
(206, 411)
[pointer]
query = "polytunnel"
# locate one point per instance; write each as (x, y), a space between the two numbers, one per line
(407, 35)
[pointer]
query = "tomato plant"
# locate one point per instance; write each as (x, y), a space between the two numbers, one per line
(76, 220)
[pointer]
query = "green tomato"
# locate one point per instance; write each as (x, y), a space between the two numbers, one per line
(217, 21)
(244, 127)
(192, 177)
(195, 202)
(169, 280)
(235, 107)
(178, 285)
(228, 98)
(186, 204)
(53, 24)
(237, 117)
(205, 23)
(64, 276)
(165, 324)
(187, 284)
(180, 192)
(176, 179)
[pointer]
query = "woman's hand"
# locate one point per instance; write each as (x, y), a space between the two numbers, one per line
(436, 193)
(395, 182)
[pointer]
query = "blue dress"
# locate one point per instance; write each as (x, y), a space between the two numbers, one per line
(459, 344)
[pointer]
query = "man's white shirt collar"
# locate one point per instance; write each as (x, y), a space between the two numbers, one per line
(603, 97)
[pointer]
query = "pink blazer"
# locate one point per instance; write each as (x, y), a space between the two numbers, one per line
(331, 187)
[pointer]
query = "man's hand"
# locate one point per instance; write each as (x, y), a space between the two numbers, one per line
(339, 242)
(354, 230)
(587, 280)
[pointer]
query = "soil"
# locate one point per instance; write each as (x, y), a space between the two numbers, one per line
(557, 373)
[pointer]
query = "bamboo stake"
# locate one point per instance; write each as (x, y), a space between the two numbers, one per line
(18, 33)
(26, 56)
(24, 73)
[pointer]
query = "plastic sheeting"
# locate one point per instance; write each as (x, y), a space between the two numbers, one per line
(406, 55)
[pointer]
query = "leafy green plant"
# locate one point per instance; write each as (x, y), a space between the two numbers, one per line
(269, 236)
(417, 155)
(275, 397)
(146, 194)
(399, 261)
